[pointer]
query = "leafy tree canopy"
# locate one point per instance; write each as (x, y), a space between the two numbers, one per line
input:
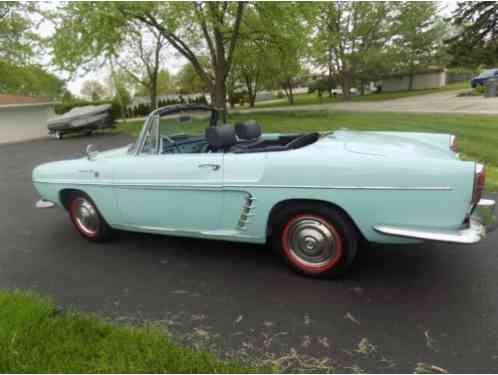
(475, 42)
(31, 80)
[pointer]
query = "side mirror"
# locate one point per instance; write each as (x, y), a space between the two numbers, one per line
(91, 152)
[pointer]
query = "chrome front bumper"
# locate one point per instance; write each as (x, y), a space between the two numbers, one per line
(482, 221)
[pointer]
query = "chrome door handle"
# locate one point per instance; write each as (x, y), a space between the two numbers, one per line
(214, 167)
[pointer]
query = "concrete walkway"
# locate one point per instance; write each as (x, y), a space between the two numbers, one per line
(443, 103)
(446, 102)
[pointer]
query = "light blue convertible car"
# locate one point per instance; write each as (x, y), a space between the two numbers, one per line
(314, 196)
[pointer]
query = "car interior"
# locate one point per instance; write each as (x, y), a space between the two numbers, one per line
(244, 137)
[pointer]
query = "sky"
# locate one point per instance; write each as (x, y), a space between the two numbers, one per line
(174, 63)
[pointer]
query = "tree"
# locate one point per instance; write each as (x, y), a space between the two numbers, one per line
(251, 65)
(89, 34)
(31, 80)
(193, 27)
(418, 37)
(346, 35)
(141, 56)
(165, 85)
(94, 90)
(475, 39)
(89, 30)
(16, 39)
(188, 81)
(282, 31)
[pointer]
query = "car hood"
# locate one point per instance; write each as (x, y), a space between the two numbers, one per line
(391, 145)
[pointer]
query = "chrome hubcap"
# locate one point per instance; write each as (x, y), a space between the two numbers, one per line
(310, 240)
(86, 216)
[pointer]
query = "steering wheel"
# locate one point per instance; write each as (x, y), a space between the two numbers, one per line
(172, 143)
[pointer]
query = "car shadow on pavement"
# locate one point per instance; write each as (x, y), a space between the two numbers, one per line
(381, 265)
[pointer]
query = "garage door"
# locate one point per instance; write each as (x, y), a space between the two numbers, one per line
(22, 123)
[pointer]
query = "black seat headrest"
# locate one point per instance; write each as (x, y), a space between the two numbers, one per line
(248, 130)
(221, 137)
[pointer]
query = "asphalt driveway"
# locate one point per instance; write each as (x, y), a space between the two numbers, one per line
(401, 306)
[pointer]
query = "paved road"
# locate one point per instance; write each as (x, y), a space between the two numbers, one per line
(401, 305)
(442, 103)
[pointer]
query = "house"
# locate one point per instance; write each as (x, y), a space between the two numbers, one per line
(24, 117)
(429, 79)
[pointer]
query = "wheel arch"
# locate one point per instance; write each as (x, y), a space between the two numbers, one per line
(279, 206)
(64, 195)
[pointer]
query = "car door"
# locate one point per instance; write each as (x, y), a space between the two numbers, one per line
(170, 192)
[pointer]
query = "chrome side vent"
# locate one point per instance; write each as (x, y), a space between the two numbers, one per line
(248, 210)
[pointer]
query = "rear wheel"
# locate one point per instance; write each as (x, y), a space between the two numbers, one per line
(315, 240)
(87, 219)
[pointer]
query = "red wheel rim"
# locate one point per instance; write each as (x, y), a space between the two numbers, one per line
(311, 243)
(85, 217)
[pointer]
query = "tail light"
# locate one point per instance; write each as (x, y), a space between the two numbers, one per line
(479, 181)
(454, 143)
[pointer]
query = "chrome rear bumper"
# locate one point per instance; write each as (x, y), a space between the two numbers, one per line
(485, 214)
(482, 221)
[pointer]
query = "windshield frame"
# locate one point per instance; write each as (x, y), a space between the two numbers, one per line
(169, 110)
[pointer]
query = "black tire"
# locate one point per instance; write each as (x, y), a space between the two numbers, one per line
(58, 135)
(93, 227)
(89, 133)
(301, 230)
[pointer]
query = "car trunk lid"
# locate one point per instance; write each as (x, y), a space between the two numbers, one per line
(390, 145)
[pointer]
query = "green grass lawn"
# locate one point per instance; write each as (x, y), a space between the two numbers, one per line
(478, 135)
(308, 99)
(36, 338)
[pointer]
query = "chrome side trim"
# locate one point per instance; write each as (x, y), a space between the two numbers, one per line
(252, 186)
(248, 210)
(233, 234)
(341, 187)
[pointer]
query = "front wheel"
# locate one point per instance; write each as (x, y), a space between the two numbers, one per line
(316, 240)
(87, 219)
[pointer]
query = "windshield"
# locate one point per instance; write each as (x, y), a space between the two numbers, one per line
(181, 131)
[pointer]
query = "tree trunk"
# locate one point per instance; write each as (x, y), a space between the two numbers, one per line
(218, 98)
(362, 87)
(347, 83)
(250, 92)
(290, 94)
(153, 95)
(331, 72)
